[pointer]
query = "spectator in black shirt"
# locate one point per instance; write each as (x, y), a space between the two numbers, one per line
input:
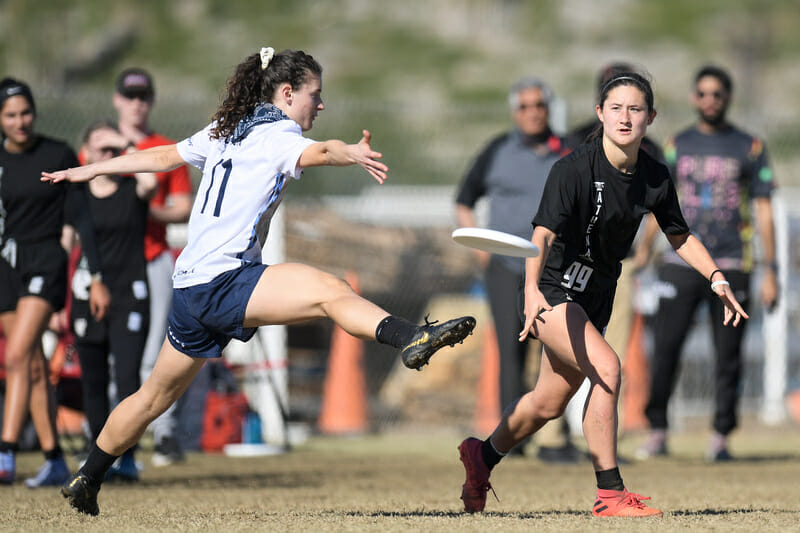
(592, 205)
(118, 206)
(33, 275)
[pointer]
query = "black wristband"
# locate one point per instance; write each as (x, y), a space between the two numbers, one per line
(711, 277)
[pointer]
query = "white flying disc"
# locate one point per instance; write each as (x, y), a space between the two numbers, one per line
(496, 242)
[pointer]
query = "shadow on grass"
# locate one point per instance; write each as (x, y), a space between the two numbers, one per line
(422, 513)
(223, 481)
(722, 512)
(760, 459)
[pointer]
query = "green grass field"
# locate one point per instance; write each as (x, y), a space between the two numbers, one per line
(411, 481)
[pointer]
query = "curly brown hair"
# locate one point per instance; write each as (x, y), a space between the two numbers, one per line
(250, 86)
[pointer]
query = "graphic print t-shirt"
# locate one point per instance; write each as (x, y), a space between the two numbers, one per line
(716, 177)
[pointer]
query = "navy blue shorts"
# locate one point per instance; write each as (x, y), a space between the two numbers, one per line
(204, 318)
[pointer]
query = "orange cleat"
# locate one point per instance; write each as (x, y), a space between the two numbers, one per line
(474, 490)
(622, 503)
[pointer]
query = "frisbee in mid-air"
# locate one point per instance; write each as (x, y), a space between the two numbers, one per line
(496, 242)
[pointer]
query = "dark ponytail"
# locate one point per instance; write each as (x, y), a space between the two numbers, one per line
(250, 85)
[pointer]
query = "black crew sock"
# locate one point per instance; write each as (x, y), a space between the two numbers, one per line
(55, 453)
(97, 464)
(490, 456)
(395, 331)
(609, 479)
(7, 447)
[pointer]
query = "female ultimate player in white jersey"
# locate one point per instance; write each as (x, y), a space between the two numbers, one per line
(253, 146)
(593, 202)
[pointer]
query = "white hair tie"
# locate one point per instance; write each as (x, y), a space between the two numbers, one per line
(266, 56)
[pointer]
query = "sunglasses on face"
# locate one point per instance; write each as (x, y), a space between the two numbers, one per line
(717, 95)
(113, 150)
(535, 105)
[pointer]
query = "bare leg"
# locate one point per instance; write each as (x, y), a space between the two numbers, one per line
(43, 402)
(292, 292)
(172, 374)
(547, 401)
(27, 386)
(574, 349)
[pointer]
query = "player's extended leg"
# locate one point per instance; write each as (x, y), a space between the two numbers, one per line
(171, 376)
(575, 349)
(572, 338)
(556, 384)
(292, 292)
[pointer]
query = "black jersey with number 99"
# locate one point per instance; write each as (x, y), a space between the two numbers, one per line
(595, 211)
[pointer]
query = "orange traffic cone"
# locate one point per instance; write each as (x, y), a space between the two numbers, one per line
(344, 396)
(793, 405)
(487, 407)
(636, 373)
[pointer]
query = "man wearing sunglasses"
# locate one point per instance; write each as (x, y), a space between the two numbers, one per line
(724, 181)
(510, 173)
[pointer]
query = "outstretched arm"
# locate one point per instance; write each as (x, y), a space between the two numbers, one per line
(696, 256)
(339, 154)
(156, 159)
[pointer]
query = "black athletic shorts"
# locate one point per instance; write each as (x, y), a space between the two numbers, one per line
(596, 305)
(33, 269)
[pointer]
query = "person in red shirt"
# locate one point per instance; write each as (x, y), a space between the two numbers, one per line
(133, 100)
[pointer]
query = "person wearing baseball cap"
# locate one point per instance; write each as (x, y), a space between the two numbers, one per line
(133, 100)
(135, 83)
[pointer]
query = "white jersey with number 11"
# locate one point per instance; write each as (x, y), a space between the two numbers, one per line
(242, 185)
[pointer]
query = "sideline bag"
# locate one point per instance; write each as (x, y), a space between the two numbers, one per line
(222, 419)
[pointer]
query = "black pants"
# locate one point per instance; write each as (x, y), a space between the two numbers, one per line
(671, 325)
(503, 287)
(127, 347)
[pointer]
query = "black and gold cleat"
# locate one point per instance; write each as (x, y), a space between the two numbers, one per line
(432, 336)
(82, 494)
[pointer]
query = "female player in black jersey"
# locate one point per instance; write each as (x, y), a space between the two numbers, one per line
(593, 202)
(119, 207)
(33, 274)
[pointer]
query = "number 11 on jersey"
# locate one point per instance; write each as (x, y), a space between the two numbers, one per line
(227, 164)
